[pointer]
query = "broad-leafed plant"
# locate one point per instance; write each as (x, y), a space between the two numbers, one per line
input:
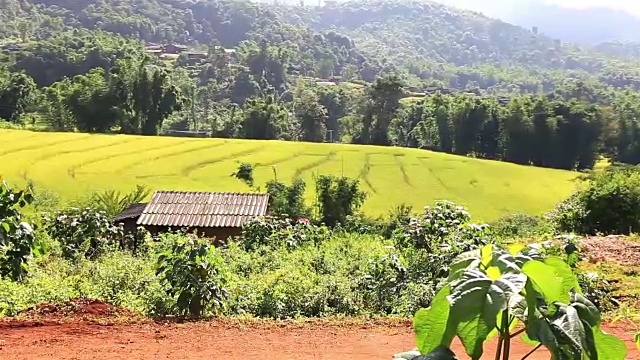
(195, 273)
(506, 292)
(16, 236)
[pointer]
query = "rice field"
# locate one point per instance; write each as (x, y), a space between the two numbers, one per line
(72, 164)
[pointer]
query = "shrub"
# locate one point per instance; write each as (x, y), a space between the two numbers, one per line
(118, 278)
(84, 232)
(337, 198)
(287, 200)
(17, 237)
(195, 274)
(609, 203)
(245, 174)
(113, 202)
(518, 226)
(276, 231)
(431, 242)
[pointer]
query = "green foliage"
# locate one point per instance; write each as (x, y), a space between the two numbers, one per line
(117, 278)
(113, 202)
(517, 226)
(245, 173)
(278, 231)
(337, 198)
(431, 242)
(82, 232)
(491, 289)
(637, 340)
(16, 94)
(266, 119)
(288, 200)
(17, 237)
(608, 204)
(196, 275)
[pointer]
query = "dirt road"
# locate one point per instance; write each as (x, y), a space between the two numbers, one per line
(218, 340)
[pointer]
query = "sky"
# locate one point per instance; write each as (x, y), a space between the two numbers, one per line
(631, 6)
(501, 8)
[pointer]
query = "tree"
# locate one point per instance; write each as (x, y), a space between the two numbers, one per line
(265, 118)
(16, 94)
(312, 117)
(287, 200)
(384, 100)
(146, 96)
(337, 198)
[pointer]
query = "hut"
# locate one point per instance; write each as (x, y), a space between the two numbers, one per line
(208, 214)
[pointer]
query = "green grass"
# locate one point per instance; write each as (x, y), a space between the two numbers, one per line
(71, 164)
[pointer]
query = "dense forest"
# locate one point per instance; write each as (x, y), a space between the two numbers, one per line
(403, 73)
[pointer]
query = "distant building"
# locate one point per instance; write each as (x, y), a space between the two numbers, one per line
(209, 214)
(174, 49)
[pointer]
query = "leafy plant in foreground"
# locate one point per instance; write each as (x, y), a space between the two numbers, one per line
(491, 290)
(195, 273)
(17, 237)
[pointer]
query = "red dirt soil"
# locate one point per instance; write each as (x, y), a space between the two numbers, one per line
(81, 337)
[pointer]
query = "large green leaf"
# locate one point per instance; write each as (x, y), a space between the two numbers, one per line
(637, 340)
(504, 261)
(608, 346)
(539, 330)
(469, 297)
(546, 281)
(527, 254)
(462, 262)
(476, 302)
(563, 271)
(432, 325)
(586, 309)
(571, 333)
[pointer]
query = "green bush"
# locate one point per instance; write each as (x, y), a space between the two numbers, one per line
(195, 274)
(17, 237)
(82, 232)
(609, 203)
(117, 278)
(278, 231)
(515, 226)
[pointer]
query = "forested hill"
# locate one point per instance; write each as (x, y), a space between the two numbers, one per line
(432, 41)
(384, 72)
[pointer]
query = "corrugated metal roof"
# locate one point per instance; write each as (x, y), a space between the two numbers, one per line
(132, 211)
(203, 209)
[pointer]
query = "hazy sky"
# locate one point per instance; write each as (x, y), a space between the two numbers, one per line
(632, 6)
(505, 7)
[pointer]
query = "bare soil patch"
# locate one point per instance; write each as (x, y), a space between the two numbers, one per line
(617, 249)
(73, 338)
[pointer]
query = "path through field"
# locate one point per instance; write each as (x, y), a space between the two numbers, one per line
(217, 340)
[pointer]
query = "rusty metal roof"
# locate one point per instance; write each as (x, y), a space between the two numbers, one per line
(203, 209)
(131, 212)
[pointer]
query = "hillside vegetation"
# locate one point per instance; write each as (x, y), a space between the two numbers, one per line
(71, 164)
(341, 72)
